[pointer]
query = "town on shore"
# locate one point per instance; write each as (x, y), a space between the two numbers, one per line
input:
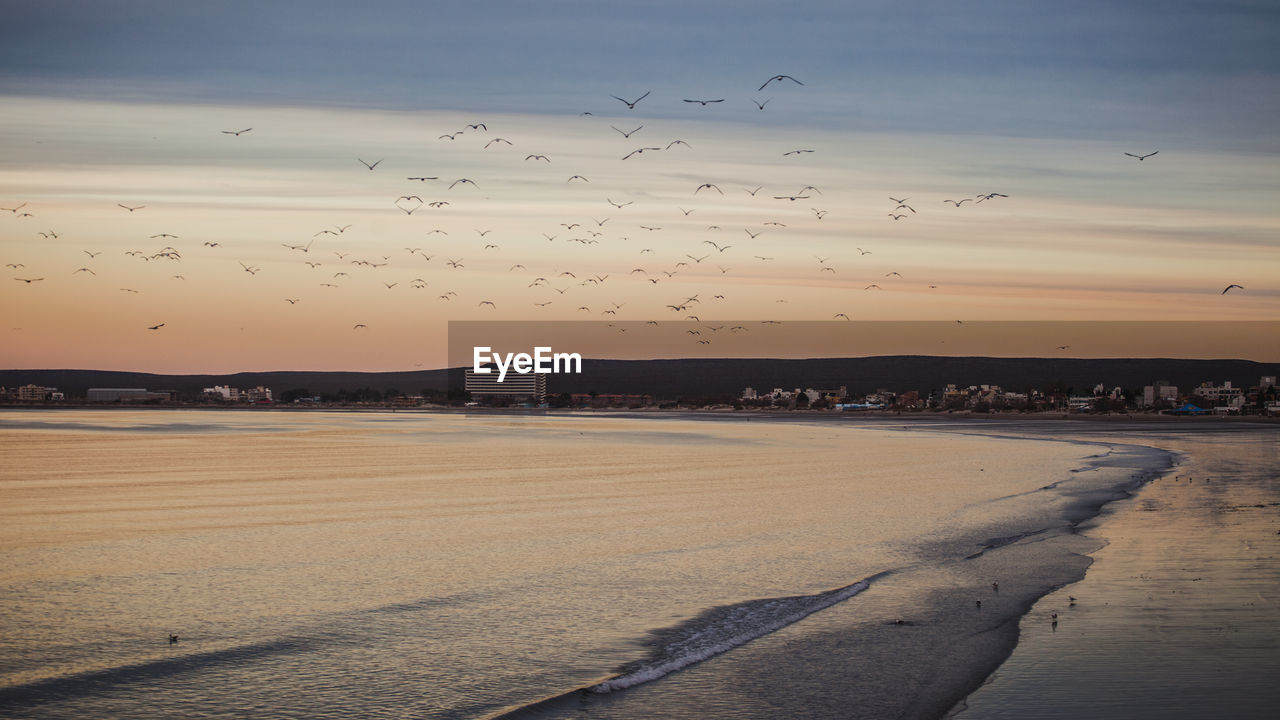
(1159, 397)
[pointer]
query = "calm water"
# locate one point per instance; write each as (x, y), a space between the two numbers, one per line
(333, 565)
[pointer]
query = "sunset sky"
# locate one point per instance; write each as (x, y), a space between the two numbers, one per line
(131, 103)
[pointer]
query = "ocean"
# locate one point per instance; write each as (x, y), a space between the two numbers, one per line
(419, 565)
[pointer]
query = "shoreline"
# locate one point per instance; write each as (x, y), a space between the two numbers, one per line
(996, 643)
(685, 413)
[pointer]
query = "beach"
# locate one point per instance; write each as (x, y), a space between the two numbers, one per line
(420, 565)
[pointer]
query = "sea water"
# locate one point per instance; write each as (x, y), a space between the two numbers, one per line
(414, 565)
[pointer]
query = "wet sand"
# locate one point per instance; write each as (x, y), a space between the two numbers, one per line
(1179, 614)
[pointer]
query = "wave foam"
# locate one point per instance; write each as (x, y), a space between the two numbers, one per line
(723, 629)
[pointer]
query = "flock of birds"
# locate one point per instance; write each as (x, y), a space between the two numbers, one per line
(706, 265)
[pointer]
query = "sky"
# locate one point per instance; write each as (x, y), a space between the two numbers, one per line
(278, 248)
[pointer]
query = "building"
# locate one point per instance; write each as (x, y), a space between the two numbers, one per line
(1159, 393)
(515, 387)
(35, 393)
(1223, 395)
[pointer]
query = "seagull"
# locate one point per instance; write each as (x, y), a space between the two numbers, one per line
(639, 151)
(537, 157)
(91, 254)
(1233, 285)
(704, 102)
(760, 105)
(708, 185)
(15, 209)
(1142, 157)
(576, 177)
(752, 193)
(156, 327)
(462, 180)
(85, 269)
(487, 302)
(791, 197)
(292, 301)
(620, 205)
(423, 178)
(451, 136)
(237, 133)
(896, 200)
(958, 203)
(631, 105)
(795, 152)
(357, 326)
(478, 126)
(779, 77)
(841, 315)
(28, 280)
(678, 142)
(131, 209)
(374, 165)
(627, 134)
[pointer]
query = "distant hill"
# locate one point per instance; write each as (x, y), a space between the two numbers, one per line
(700, 378)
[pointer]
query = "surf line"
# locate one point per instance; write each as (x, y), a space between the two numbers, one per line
(714, 632)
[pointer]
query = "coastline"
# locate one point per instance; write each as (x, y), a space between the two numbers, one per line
(1176, 615)
(962, 645)
(953, 647)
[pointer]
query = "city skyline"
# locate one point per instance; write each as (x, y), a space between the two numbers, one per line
(232, 147)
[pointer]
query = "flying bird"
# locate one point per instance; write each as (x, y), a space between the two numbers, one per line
(501, 140)
(631, 105)
(760, 105)
(1233, 285)
(708, 185)
(795, 152)
(131, 209)
(237, 133)
(374, 165)
(537, 157)
(28, 280)
(462, 180)
(778, 77)
(705, 102)
(639, 151)
(156, 327)
(626, 134)
(1142, 157)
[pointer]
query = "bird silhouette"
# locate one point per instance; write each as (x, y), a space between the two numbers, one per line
(631, 105)
(237, 133)
(1233, 285)
(374, 165)
(1142, 157)
(778, 77)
